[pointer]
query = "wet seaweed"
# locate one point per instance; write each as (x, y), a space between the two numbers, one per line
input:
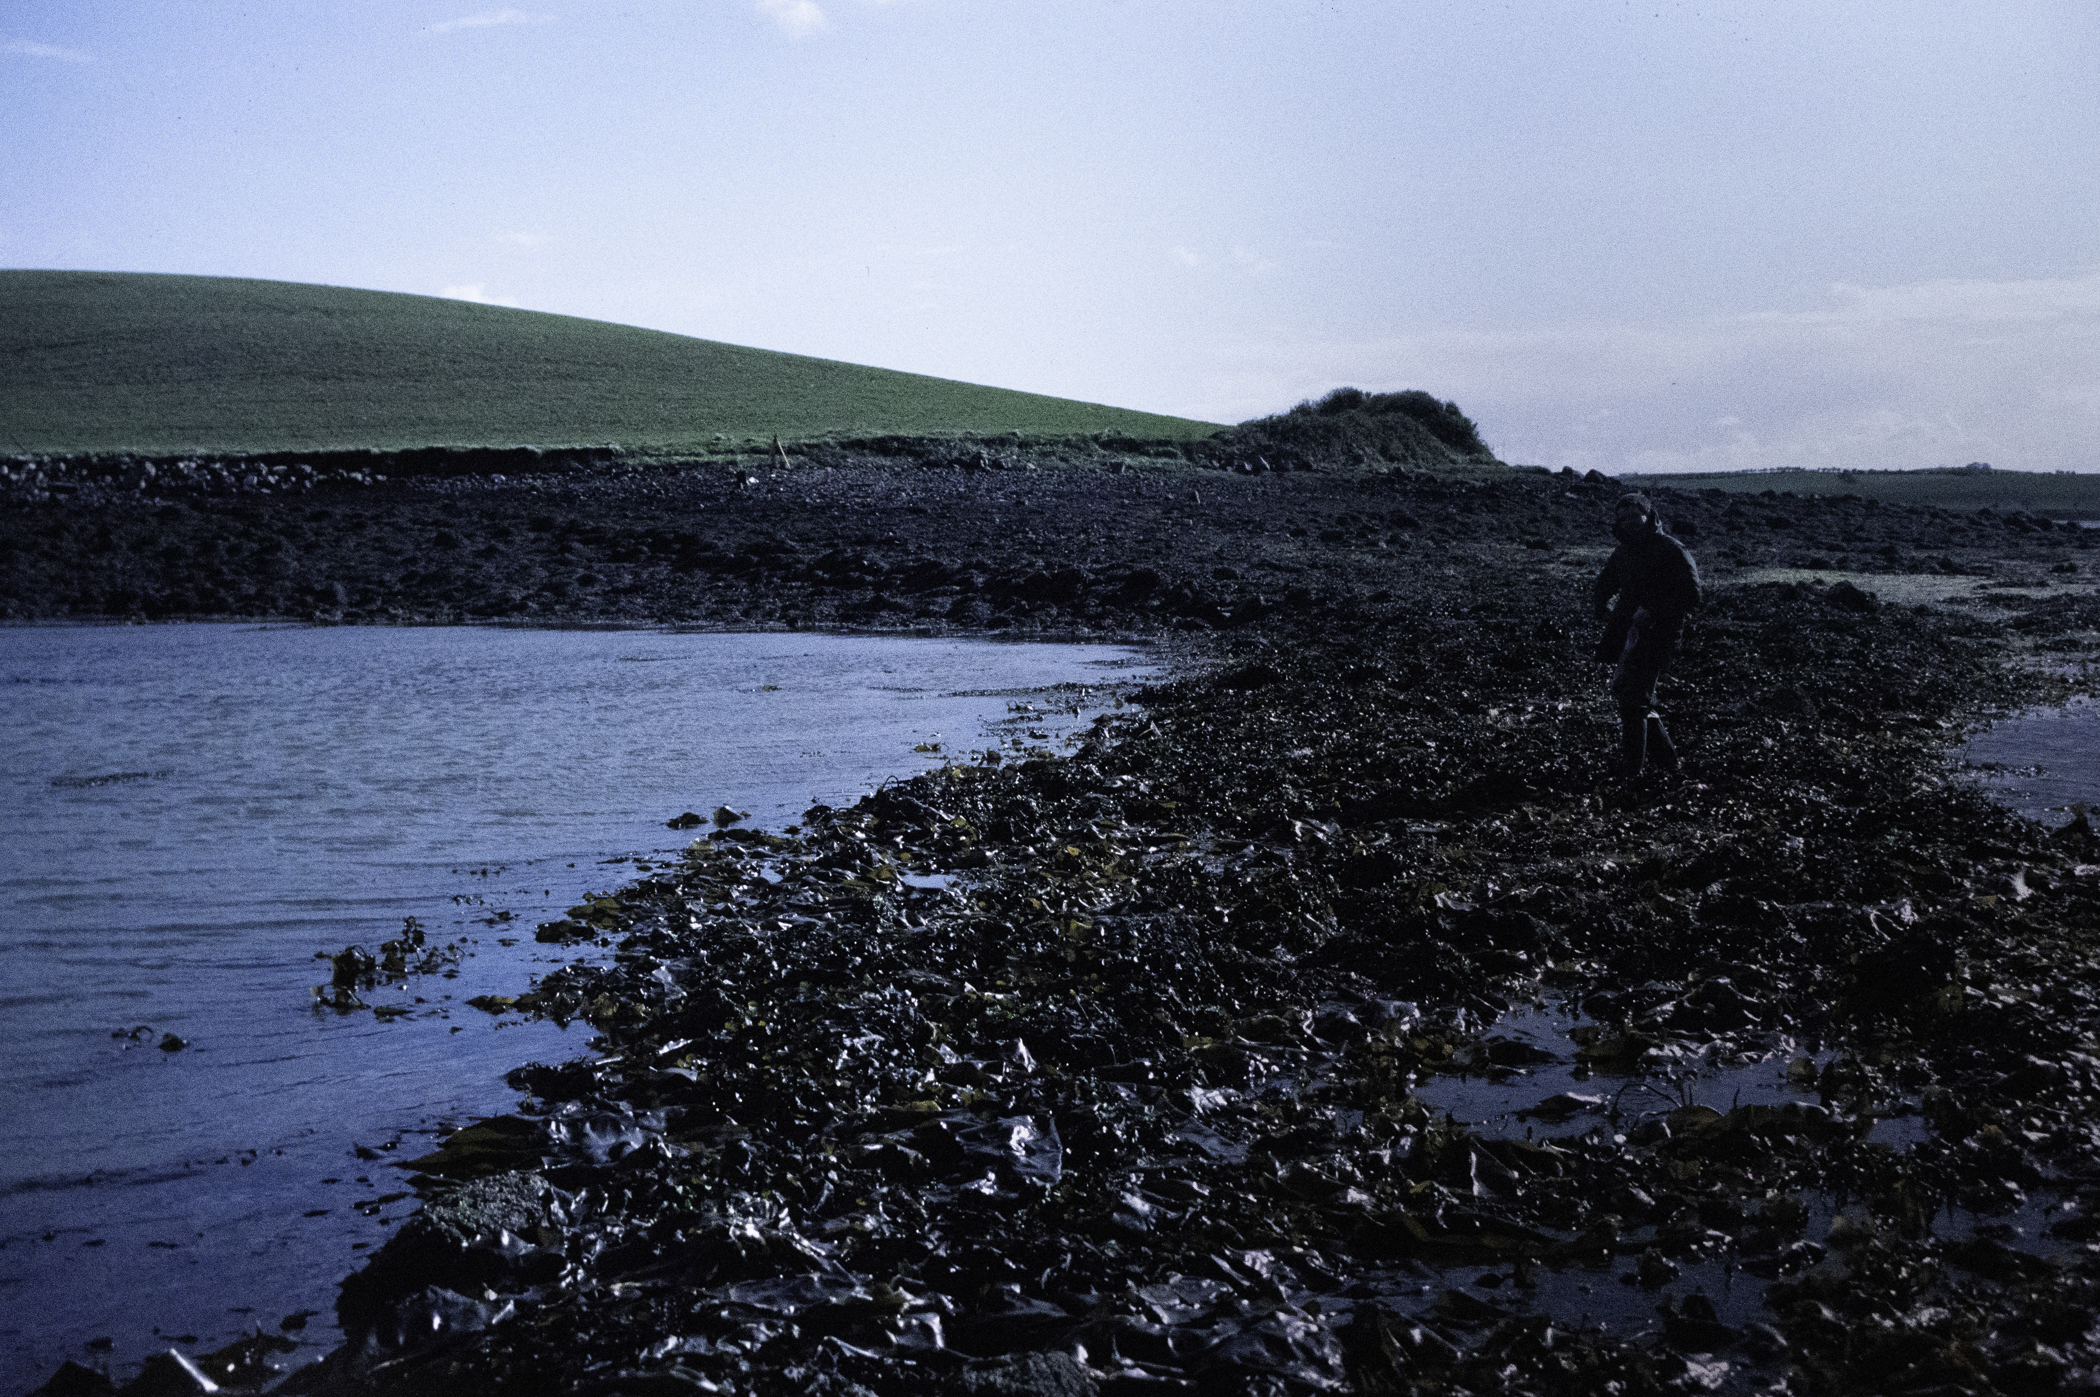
(1118, 1068)
(1325, 1020)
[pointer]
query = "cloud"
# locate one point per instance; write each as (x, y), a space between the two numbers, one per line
(477, 292)
(1251, 263)
(1950, 301)
(29, 48)
(488, 19)
(1899, 377)
(796, 18)
(1241, 257)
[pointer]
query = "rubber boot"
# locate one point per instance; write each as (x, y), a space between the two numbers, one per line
(1633, 744)
(1659, 745)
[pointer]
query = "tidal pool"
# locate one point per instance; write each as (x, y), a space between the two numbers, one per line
(193, 812)
(2044, 763)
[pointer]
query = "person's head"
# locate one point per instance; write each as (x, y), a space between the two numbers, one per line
(1633, 515)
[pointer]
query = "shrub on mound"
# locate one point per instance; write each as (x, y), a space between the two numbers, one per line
(1409, 428)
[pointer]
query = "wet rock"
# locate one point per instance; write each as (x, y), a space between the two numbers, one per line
(1847, 597)
(1693, 1326)
(1655, 1269)
(1254, 676)
(169, 1374)
(73, 1380)
(498, 1145)
(247, 1363)
(1916, 972)
(1028, 1375)
(476, 1241)
(428, 1318)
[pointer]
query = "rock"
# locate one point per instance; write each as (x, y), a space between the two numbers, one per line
(1793, 702)
(1846, 597)
(1903, 975)
(169, 1374)
(72, 1380)
(1028, 1375)
(1254, 676)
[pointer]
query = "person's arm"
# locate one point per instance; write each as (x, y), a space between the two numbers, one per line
(1682, 575)
(1605, 587)
(1609, 584)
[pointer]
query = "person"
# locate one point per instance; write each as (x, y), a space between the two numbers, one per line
(1656, 585)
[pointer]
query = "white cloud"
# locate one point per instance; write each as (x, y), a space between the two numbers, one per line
(487, 19)
(476, 291)
(2052, 299)
(29, 48)
(1241, 258)
(796, 18)
(1251, 263)
(1928, 374)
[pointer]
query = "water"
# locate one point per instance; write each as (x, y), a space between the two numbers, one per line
(1503, 1101)
(2044, 762)
(1553, 1097)
(192, 812)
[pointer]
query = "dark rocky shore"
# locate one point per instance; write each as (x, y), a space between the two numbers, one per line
(1136, 1098)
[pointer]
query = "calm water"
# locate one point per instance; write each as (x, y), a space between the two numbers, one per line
(2043, 762)
(191, 812)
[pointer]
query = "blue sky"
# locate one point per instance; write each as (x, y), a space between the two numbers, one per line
(1635, 236)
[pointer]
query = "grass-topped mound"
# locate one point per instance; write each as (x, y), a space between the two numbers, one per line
(115, 362)
(1349, 425)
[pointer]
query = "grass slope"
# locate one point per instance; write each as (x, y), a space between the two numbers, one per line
(2058, 494)
(119, 361)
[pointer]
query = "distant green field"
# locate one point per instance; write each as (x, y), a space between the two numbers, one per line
(110, 361)
(2058, 495)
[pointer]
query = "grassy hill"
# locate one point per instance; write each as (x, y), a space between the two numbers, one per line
(2057, 494)
(119, 361)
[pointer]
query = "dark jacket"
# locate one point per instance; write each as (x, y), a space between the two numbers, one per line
(1650, 571)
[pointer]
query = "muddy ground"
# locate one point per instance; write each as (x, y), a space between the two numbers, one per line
(1118, 1069)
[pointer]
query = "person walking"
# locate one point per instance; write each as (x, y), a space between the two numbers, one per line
(1656, 585)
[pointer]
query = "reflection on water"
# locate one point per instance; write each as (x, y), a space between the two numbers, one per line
(193, 812)
(1525, 1080)
(2044, 762)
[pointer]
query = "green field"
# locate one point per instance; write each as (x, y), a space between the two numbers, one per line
(118, 361)
(2057, 494)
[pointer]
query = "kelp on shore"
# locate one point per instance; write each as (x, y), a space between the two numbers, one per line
(1115, 1069)
(1106, 1070)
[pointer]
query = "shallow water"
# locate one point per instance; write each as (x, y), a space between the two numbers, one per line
(192, 812)
(2043, 762)
(1505, 1103)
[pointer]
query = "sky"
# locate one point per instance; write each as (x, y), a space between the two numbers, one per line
(1636, 237)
